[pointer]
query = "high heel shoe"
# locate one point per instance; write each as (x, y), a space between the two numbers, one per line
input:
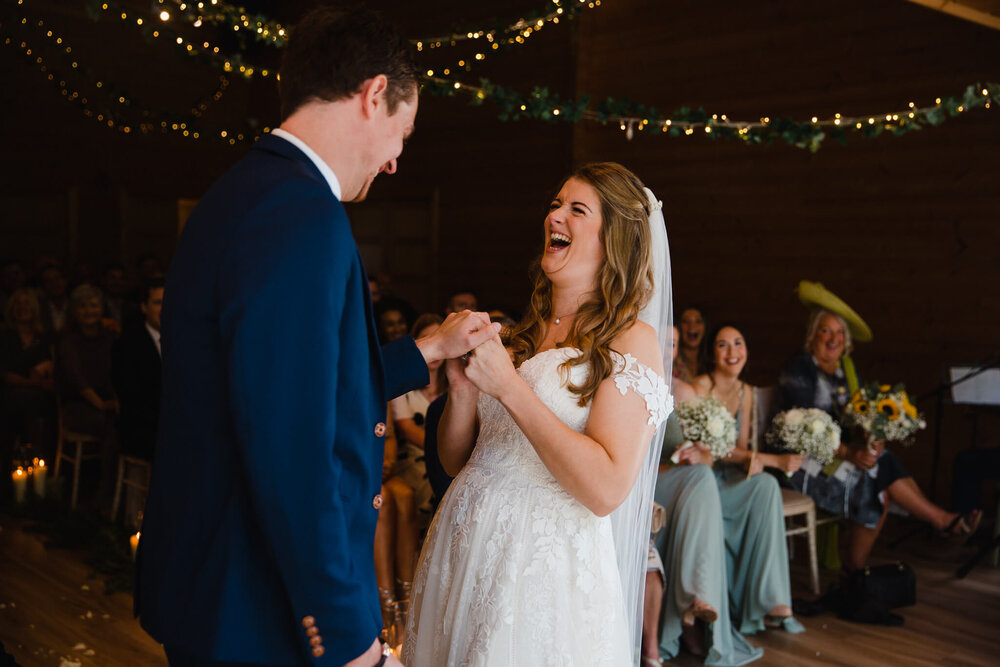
(963, 526)
(701, 611)
(787, 623)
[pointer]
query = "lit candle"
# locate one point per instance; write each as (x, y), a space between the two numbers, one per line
(134, 543)
(41, 472)
(20, 479)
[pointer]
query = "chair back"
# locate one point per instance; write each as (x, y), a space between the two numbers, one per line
(766, 404)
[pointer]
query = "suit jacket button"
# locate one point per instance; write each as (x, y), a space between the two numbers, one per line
(377, 501)
(308, 622)
(315, 641)
(318, 651)
(379, 429)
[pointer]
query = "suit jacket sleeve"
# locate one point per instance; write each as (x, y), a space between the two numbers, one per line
(282, 304)
(405, 368)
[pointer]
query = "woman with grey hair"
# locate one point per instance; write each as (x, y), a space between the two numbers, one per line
(83, 364)
(863, 478)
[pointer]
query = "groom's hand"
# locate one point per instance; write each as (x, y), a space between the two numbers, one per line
(459, 333)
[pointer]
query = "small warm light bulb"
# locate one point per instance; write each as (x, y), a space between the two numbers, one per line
(555, 112)
(814, 119)
(164, 16)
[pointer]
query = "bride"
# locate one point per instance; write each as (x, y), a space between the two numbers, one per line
(523, 564)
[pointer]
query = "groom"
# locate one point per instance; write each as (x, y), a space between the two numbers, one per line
(258, 533)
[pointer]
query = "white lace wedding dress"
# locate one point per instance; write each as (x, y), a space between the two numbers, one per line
(515, 571)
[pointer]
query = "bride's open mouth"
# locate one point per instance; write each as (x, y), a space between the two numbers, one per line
(558, 242)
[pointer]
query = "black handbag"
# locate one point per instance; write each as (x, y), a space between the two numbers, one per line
(892, 584)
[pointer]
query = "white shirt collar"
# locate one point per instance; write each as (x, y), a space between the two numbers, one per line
(323, 167)
(155, 335)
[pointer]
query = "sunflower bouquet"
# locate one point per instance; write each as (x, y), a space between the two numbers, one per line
(809, 431)
(706, 420)
(884, 412)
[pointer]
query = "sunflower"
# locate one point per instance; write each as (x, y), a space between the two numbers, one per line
(885, 387)
(859, 405)
(890, 408)
(909, 408)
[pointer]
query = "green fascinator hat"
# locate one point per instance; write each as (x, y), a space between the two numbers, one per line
(814, 295)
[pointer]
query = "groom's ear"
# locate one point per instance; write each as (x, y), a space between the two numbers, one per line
(373, 95)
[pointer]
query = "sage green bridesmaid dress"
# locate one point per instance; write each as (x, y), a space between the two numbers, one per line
(756, 548)
(692, 547)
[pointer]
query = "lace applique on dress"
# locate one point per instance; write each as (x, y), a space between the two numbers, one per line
(646, 382)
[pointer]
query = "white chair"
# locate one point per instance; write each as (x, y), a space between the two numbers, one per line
(75, 448)
(124, 479)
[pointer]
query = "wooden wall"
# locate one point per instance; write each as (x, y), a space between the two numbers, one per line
(903, 229)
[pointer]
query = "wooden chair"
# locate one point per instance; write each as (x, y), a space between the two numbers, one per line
(124, 461)
(75, 448)
(765, 406)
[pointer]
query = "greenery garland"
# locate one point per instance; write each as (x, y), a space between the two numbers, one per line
(540, 103)
(631, 116)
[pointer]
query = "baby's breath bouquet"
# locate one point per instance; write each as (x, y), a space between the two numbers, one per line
(884, 412)
(809, 431)
(707, 420)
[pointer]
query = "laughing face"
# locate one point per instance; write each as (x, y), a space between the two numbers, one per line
(574, 251)
(730, 351)
(829, 341)
(692, 328)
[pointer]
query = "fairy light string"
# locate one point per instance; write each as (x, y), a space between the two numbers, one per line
(102, 100)
(631, 117)
(539, 104)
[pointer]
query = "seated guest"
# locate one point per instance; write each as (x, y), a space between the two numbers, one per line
(83, 362)
(692, 548)
(27, 407)
(395, 538)
(409, 412)
(55, 301)
(760, 593)
(136, 366)
(459, 301)
(149, 267)
(392, 319)
(116, 304)
(440, 480)
(692, 356)
(863, 476)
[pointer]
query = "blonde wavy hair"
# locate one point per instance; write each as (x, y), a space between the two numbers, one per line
(624, 283)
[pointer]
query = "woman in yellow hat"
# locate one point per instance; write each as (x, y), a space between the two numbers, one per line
(864, 477)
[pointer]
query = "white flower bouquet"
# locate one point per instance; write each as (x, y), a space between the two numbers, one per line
(884, 412)
(809, 431)
(706, 420)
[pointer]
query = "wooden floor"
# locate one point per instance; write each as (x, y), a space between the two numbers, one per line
(51, 608)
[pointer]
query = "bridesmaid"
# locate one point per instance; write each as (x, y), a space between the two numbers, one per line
(756, 552)
(695, 603)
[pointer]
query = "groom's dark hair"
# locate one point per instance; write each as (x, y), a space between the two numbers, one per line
(332, 51)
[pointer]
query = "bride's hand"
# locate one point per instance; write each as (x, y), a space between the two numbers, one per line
(458, 383)
(490, 369)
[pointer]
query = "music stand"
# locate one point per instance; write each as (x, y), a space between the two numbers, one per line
(978, 386)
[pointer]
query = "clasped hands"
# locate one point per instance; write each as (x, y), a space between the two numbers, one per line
(476, 360)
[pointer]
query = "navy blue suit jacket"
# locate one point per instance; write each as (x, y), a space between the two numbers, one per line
(269, 456)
